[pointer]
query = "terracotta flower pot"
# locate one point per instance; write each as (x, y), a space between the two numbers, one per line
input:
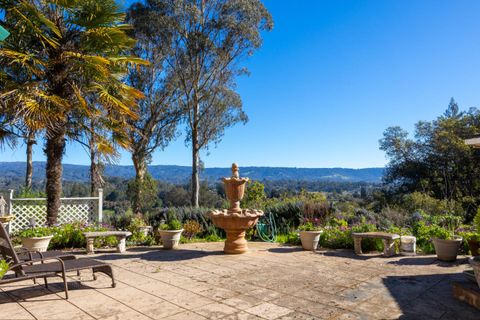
(447, 249)
(310, 239)
(475, 263)
(37, 243)
(170, 238)
(474, 246)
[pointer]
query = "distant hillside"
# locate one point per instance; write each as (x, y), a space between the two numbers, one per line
(181, 174)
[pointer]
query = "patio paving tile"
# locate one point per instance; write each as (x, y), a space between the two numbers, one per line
(242, 302)
(268, 311)
(215, 310)
(270, 282)
(186, 315)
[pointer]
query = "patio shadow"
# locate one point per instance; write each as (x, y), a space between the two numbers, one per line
(36, 291)
(427, 260)
(350, 254)
(286, 249)
(421, 295)
(159, 254)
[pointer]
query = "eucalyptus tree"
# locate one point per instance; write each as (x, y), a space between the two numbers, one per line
(209, 40)
(66, 51)
(158, 115)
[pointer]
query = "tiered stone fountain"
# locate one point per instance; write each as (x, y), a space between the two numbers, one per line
(235, 220)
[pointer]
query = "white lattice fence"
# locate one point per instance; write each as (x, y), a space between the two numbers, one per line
(87, 209)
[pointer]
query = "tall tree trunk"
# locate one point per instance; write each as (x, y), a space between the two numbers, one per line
(54, 149)
(29, 173)
(195, 164)
(140, 165)
(93, 169)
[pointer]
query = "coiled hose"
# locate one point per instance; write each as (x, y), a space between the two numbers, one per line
(267, 229)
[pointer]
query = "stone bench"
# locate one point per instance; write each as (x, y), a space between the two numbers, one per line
(121, 237)
(387, 239)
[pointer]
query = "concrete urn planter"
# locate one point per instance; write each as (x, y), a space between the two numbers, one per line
(475, 263)
(474, 246)
(447, 249)
(145, 230)
(170, 238)
(37, 243)
(408, 245)
(310, 239)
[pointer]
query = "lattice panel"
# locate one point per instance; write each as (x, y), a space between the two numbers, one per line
(70, 211)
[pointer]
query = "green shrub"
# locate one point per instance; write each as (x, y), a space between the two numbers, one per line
(70, 235)
(336, 238)
(309, 226)
(476, 220)
(36, 232)
(335, 222)
(156, 217)
(424, 233)
(213, 238)
(291, 238)
(173, 224)
(3, 268)
(287, 215)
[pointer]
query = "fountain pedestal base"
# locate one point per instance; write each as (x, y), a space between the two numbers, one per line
(236, 242)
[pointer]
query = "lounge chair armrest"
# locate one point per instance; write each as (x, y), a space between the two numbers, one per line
(23, 250)
(42, 260)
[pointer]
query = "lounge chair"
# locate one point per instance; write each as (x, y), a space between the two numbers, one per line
(44, 267)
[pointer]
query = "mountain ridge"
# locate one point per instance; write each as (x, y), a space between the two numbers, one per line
(181, 174)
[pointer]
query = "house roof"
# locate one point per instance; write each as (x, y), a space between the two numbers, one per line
(475, 142)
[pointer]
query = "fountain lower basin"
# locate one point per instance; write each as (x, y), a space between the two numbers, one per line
(235, 224)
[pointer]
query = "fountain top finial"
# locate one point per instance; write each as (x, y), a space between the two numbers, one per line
(235, 172)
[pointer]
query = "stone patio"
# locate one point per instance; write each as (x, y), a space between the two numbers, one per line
(270, 282)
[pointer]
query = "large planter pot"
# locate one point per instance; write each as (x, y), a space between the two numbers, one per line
(170, 238)
(475, 263)
(37, 243)
(310, 239)
(447, 249)
(474, 246)
(408, 245)
(145, 230)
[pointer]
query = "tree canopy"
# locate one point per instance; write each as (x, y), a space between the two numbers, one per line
(436, 159)
(64, 62)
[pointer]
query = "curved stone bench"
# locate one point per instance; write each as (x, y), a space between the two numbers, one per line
(121, 237)
(387, 239)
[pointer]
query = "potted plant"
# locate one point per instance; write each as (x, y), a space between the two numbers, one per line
(475, 263)
(315, 214)
(309, 235)
(36, 238)
(473, 238)
(170, 232)
(138, 224)
(474, 244)
(446, 244)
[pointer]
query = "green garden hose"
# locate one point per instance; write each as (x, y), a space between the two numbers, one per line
(266, 228)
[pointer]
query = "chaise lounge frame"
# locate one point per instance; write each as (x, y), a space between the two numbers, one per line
(45, 267)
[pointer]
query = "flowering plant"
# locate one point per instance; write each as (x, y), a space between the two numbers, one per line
(315, 215)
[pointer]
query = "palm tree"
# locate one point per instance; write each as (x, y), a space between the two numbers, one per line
(61, 54)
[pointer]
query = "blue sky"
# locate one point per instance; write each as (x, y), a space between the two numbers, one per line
(333, 75)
